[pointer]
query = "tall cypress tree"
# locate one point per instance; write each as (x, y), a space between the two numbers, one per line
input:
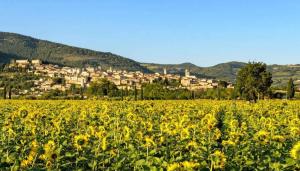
(4, 92)
(142, 93)
(290, 89)
(135, 93)
(122, 94)
(81, 93)
(9, 92)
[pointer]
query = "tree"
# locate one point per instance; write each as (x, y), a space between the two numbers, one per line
(154, 91)
(290, 89)
(142, 92)
(9, 92)
(2, 66)
(122, 94)
(4, 92)
(253, 81)
(58, 80)
(73, 89)
(102, 88)
(222, 84)
(81, 93)
(135, 93)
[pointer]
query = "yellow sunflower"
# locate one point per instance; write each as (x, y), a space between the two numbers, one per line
(172, 167)
(80, 141)
(218, 159)
(50, 153)
(190, 165)
(295, 151)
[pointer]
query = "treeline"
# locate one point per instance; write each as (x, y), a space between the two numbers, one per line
(160, 89)
(253, 83)
(13, 83)
(104, 89)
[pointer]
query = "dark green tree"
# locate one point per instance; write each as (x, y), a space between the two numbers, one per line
(122, 94)
(219, 93)
(4, 92)
(154, 91)
(253, 81)
(222, 84)
(290, 89)
(102, 88)
(9, 92)
(135, 93)
(73, 89)
(81, 93)
(142, 92)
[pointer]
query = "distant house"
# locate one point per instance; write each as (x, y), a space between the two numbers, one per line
(36, 62)
(23, 62)
(185, 81)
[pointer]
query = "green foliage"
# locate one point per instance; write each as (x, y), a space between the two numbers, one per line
(154, 91)
(253, 81)
(58, 80)
(103, 88)
(53, 94)
(4, 92)
(17, 81)
(222, 84)
(216, 93)
(290, 89)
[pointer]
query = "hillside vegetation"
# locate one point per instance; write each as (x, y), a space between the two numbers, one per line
(19, 46)
(224, 71)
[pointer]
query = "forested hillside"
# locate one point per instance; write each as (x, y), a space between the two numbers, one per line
(19, 46)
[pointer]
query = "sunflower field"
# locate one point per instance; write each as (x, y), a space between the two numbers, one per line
(149, 135)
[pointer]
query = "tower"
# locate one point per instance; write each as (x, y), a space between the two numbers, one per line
(165, 71)
(187, 72)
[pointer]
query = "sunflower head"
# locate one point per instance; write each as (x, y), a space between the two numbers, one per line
(228, 143)
(149, 141)
(50, 152)
(80, 141)
(278, 138)
(218, 159)
(188, 165)
(262, 136)
(295, 151)
(173, 166)
(25, 163)
(50, 146)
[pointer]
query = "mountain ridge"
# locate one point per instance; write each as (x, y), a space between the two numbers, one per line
(23, 46)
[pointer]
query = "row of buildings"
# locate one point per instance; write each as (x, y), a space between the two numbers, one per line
(83, 77)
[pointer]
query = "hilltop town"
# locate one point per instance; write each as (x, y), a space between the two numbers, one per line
(83, 77)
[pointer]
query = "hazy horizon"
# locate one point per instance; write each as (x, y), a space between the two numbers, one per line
(168, 32)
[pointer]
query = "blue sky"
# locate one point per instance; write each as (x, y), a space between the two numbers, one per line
(204, 32)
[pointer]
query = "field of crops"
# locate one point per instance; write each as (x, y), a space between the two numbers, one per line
(152, 135)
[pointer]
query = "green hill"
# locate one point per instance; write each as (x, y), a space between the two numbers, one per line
(224, 71)
(18, 46)
(227, 71)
